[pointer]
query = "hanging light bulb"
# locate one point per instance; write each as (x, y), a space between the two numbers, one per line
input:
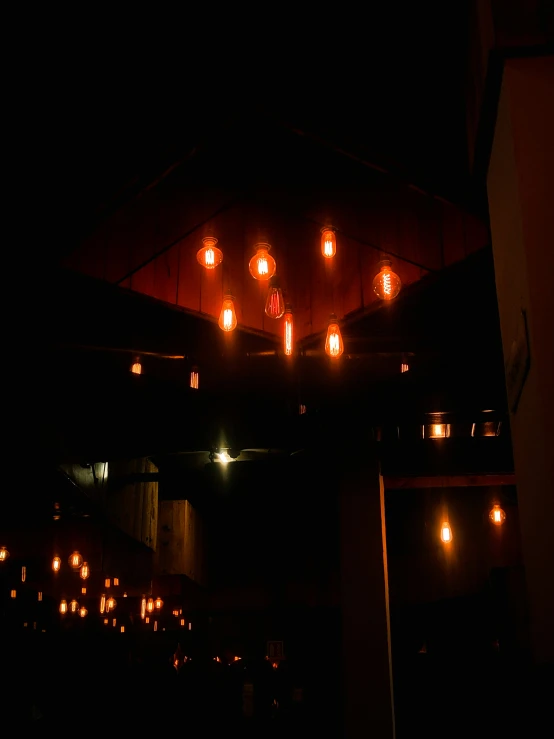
(4, 554)
(446, 532)
(158, 603)
(228, 317)
(85, 571)
(110, 603)
(73, 606)
(83, 591)
(288, 331)
(150, 605)
(136, 367)
(334, 345)
(497, 515)
(275, 303)
(386, 283)
(75, 560)
(194, 378)
(23, 573)
(209, 256)
(102, 603)
(328, 242)
(262, 266)
(143, 607)
(82, 612)
(63, 607)
(13, 593)
(56, 564)
(39, 595)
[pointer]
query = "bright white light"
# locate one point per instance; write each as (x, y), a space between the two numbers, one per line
(224, 457)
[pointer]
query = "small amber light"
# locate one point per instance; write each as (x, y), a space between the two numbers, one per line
(228, 317)
(73, 606)
(334, 345)
(23, 573)
(150, 605)
(110, 604)
(194, 378)
(328, 242)
(182, 622)
(85, 571)
(136, 367)
(497, 516)
(4, 554)
(82, 612)
(209, 256)
(142, 607)
(63, 607)
(75, 560)
(446, 532)
(56, 564)
(13, 593)
(262, 266)
(39, 595)
(386, 283)
(116, 582)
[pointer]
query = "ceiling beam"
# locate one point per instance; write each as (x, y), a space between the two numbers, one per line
(452, 481)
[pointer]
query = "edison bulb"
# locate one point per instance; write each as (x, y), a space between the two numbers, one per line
(446, 532)
(73, 606)
(4, 554)
(386, 283)
(328, 242)
(143, 607)
(228, 317)
(63, 607)
(334, 345)
(110, 603)
(150, 605)
(56, 564)
(136, 367)
(497, 515)
(262, 266)
(275, 303)
(158, 603)
(209, 256)
(85, 571)
(82, 612)
(75, 560)
(288, 337)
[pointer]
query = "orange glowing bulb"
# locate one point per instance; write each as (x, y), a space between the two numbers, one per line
(13, 593)
(136, 367)
(73, 606)
(23, 573)
(194, 378)
(288, 331)
(328, 242)
(82, 612)
(446, 532)
(56, 564)
(386, 283)
(158, 603)
(228, 317)
(110, 603)
(334, 345)
(75, 560)
(84, 574)
(63, 607)
(209, 256)
(150, 605)
(143, 607)
(275, 303)
(262, 266)
(497, 515)
(4, 554)
(102, 603)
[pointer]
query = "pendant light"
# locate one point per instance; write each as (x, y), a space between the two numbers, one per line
(275, 303)
(288, 333)
(136, 367)
(228, 317)
(209, 256)
(262, 266)
(386, 283)
(328, 242)
(334, 345)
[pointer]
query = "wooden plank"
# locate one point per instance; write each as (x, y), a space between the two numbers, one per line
(453, 481)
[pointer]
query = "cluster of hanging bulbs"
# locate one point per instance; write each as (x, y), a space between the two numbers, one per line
(262, 266)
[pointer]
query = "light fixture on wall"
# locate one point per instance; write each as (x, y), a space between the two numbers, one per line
(136, 367)
(497, 516)
(386, 283)
(288, 331)
(446, 532)
(209, 256)
(275, 303)
(334, 345)
(328, 242)
(262, 266)
(228, 317)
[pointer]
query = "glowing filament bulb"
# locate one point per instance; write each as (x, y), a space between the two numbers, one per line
(136, 367)
(73, 606)
(404, 367)
(63, 607)
(56, 564)
(386, 283)
(143, 607)
(334, 345)
(85, 571)
(82, 612)
(158, 603)
(110, 604)
(107, 582)
(150, 605)
(13, 593)
(102, 603)
(4, 554)
(116, 582)
(23, 573)
(75, 560)
(328, 243)
(497, 515)
(275, 304)
(288, 331)
(228, 317)
(39, 595)
(262, 266)
(194, 377)
(446, 532)
(209, 256)
(182, 622)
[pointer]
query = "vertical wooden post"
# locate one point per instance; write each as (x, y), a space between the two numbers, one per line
(367, 668)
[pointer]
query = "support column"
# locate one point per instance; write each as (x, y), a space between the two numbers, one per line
(367, 668)
(521, 204)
